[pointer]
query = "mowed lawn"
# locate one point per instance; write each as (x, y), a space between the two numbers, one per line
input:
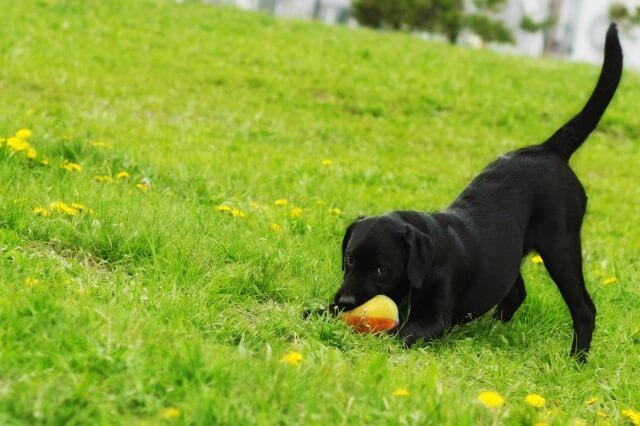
(171, 292)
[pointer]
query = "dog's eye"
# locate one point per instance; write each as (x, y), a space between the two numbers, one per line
(349, 260)
(381, 270)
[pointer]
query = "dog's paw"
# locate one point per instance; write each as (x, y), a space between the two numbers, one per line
(410, 334)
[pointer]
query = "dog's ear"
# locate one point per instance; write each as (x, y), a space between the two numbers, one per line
(347, 237)
(420, 255)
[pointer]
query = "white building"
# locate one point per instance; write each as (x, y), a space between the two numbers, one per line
(578, 33)
(579, 30)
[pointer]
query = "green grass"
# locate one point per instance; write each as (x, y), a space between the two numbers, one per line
(157, 300)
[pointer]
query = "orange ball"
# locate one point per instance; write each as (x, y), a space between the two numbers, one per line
(377, 314)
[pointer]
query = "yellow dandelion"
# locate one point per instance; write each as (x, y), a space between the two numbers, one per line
(44, 162)
(601, 414)
(292, 358)
(23, 134)
(31, 282)
(591, 401)
(491, 399)
(281, 202)
(237, 213)
(327, 163)
(170, 413)
(17, 144)
(223, 208)
(31, 153)
(41, 211)
(103, 179)
(142, 186)
(335, 211)
(535, 400)
(610, 280)
(296, 212)
(122, 175)
(537, 259)
(276, 228)
(81, 207)
(71, 167)
(541, 424)
(579, 422)
(632, 415)
(401, 392)
(62, 207)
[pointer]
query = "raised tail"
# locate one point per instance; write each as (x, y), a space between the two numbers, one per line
(569, 137)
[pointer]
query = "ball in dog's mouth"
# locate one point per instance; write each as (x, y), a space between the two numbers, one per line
(379, 313)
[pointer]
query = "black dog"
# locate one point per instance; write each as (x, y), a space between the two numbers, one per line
(452, 266)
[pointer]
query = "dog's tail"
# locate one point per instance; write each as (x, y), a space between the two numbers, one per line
(569, 137)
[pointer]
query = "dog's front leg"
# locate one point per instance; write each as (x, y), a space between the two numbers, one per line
(425, 330)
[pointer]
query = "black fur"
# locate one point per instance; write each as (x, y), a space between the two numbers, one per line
(452, 266)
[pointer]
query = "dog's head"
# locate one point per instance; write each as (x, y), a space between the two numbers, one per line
(382, 255)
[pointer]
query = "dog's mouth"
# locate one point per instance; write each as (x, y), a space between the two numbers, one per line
(345, 303)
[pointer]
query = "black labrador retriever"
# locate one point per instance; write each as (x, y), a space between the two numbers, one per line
(452, 266)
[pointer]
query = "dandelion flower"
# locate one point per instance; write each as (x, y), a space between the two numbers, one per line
(170, 413)
(292, 358)
(71, 167)
(632, 415)
(41, 211)
(537, 259)
(401, 392)
(103, 179)
(579, 422)
(142, 186)
(223, 208)
(296, 212)
(81, 207)
(237, 213)
(491, 399)
(281, 202)
(31, 153)
(610, 280)
(591, 401)
(23, 134)
(327, 163)
(276, 228)
(601, 414)
(62, 207)
(335, 211)
(122, 175)
(17, 144)
(541, 424)
(31, 282)
(535, 400)
(44, 162)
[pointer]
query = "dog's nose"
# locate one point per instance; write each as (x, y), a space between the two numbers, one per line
(347, 301)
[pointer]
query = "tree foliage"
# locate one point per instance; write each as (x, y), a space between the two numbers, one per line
(447, 17)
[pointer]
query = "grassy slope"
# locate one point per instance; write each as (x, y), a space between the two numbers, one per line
(157, 300)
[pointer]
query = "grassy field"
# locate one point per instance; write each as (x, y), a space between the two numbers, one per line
(171, 292)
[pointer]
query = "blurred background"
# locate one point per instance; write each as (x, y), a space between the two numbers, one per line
(571, 29)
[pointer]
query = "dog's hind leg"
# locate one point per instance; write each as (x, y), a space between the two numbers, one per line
(512, 301)
(563, 259)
